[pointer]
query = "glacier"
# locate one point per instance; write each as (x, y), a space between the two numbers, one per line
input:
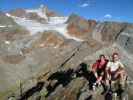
(56, 23)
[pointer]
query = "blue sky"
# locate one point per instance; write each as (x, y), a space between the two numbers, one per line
(119, 10)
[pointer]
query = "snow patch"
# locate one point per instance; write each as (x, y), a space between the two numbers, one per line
(2, 26)
(57, 20)
(8, 15)
(7, 42)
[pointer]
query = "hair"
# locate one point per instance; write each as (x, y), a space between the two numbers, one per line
(102, 55)
(115, 53)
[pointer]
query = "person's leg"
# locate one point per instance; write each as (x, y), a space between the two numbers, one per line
(99, 79)
(119, 85)
(92, 79)
(105, 87)
(106, 82)
(100, 74)
(123, 78)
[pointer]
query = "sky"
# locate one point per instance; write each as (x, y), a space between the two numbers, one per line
(116, 10)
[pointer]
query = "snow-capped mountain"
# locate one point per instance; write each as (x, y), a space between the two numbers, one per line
(40, 11)
(57, 23)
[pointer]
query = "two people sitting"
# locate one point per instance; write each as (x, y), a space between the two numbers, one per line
(107, 71)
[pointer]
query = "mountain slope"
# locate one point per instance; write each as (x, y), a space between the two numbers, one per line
(9, 29)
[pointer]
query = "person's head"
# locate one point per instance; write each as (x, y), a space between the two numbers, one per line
(102, 57)
(115, 57)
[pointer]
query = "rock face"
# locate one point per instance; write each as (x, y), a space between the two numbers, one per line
(22, 13)
(26, 60)
(9, 29)
(50, 13)
(80, 27)
(18, 13)
(5, 20)
(126, 38)
(109, 31)
(51, 39)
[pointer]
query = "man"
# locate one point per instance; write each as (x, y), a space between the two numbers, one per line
(99, 69)
(116, 70)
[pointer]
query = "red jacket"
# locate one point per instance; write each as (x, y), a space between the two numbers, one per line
(97, 65)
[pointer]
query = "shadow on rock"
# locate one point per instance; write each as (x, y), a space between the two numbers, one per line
(31, 91)
(82, 71)
(62, 78)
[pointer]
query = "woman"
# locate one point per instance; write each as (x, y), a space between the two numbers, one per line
(99, 69)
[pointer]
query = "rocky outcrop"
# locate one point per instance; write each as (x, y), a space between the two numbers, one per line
(108, 31)
(18, 13)
(21, 13)
(13, 59)
(80, 27)
(125, 39)
(35, 16)
(5, 20)
(70, 92)
(50, 39)
(50, 13)
(10, 30)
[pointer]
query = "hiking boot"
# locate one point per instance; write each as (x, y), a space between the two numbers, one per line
(94, 88)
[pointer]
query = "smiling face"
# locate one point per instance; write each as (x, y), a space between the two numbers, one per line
(115, 57)
(102, 57)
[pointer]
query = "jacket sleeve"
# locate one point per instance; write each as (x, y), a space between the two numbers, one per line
(94, 66)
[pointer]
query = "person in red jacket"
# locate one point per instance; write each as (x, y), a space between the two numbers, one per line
(99, 69)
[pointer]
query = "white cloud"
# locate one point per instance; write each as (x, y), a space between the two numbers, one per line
(108, 16)
(84, 5)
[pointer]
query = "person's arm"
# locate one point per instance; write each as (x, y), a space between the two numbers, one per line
(107, 70)
(94, 68)
(122, 71)
(121, 66)
(95, 74)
